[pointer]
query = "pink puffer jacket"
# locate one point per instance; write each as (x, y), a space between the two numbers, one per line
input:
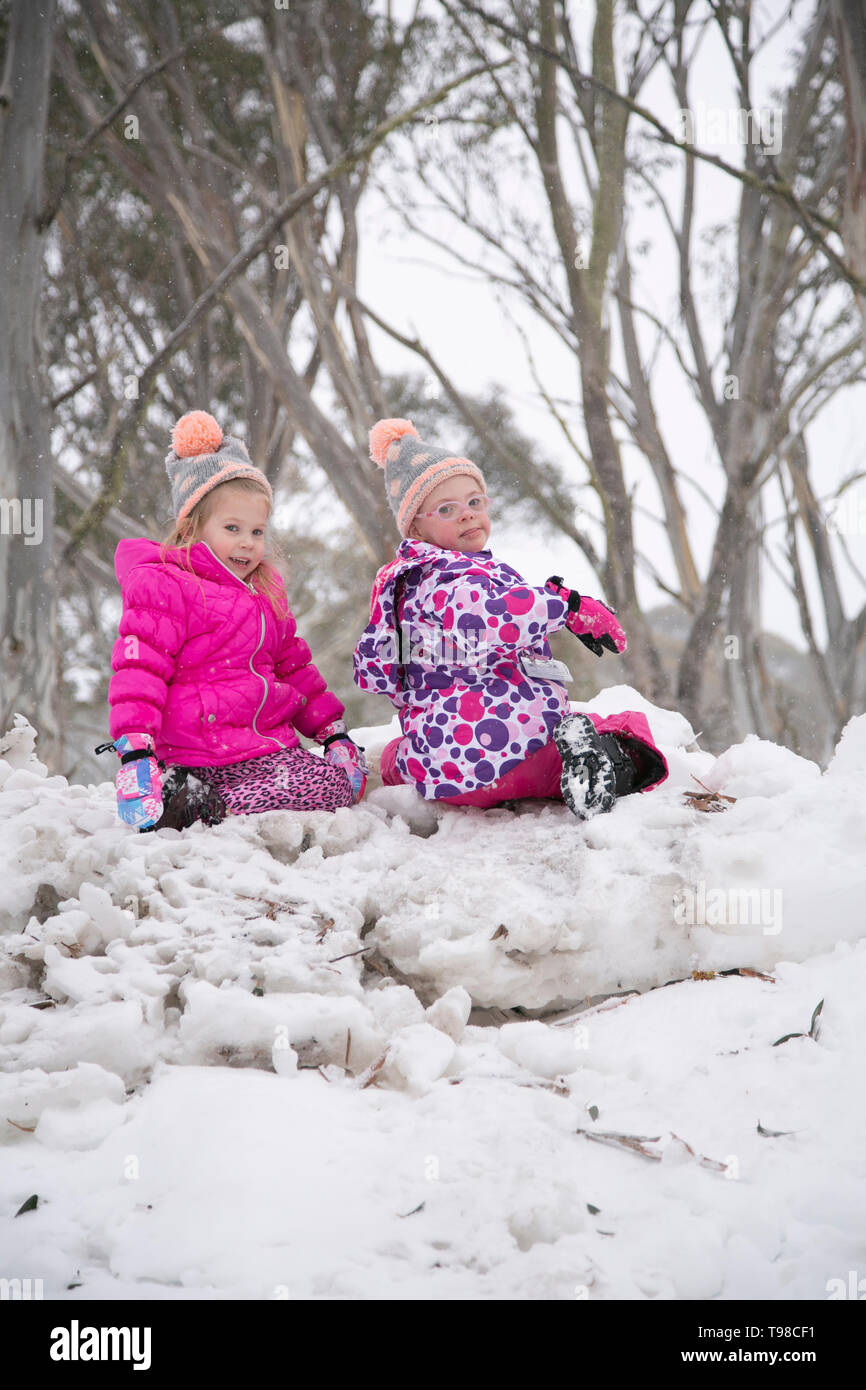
(204, 664)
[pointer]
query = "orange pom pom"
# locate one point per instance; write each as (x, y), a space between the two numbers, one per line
(386, 432)
(196, 433)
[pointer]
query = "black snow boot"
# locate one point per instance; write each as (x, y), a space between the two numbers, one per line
(619, 751)
(186, 799)
(589, 773)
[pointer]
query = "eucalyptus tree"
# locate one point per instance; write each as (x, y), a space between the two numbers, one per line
(211, 159)
(243, 116)
(550, 181)
(27, 582)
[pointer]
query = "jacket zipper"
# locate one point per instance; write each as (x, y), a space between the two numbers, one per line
(262, 678)
(264, 682)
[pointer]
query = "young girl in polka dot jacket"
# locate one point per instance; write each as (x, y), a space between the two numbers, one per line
(458, 641)
(212, 683)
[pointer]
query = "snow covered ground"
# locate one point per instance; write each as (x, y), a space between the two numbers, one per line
(280, 1059)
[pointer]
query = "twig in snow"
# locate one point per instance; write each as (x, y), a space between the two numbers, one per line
(750, 974)
(611, 1001)
(323, 931)
(637, 1143)
(615, 1001)
(707, 1162)
(334, 959)
(369, 1076)
(372, 964)
(420, 1207)
(558, 1086)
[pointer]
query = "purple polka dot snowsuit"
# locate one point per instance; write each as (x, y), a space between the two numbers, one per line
(469, 711)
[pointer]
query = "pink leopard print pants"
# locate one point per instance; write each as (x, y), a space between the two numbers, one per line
(290, 780)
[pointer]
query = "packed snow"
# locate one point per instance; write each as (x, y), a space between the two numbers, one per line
(415, 1051)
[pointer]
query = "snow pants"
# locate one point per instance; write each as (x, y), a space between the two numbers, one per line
(538, 775)
(290, 780)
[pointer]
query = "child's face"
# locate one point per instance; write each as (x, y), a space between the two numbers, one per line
(466, 529)
(235, 528)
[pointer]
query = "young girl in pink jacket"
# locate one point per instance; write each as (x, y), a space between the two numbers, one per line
(457, 641)
(211, 682)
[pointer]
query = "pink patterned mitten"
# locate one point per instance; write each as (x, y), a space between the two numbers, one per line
(138, 781)
(589, 619)
(341, 752)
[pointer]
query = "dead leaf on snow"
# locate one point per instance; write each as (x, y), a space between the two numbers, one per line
(707, 800)
(774, 1133)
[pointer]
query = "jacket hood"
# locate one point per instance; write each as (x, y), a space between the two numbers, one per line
(376, 660)
(420, 555)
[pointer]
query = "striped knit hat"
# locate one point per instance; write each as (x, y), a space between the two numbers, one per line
(201, 458)
(412, 468)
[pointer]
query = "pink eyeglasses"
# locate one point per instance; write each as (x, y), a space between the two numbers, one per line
(447, 511)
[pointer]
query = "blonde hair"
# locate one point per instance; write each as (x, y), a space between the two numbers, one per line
(266, 577)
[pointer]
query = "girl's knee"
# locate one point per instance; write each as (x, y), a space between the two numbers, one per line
(388, 764)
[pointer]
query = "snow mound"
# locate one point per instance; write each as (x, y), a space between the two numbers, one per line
(307, 921)
(217, 1043)
(849, 759)
(756, 767)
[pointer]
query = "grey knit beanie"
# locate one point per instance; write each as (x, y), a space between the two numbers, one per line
(201, 458)
(412, 468)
